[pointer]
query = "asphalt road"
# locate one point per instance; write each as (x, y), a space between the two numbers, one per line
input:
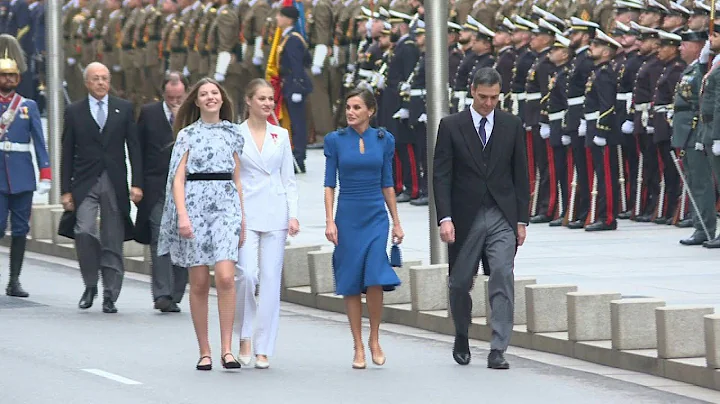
(52, 352)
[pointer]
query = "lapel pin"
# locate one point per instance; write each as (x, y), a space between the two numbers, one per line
(117, 111)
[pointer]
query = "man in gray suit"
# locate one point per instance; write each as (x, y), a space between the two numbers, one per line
(481, 196)
(94, 178)
(709, 125)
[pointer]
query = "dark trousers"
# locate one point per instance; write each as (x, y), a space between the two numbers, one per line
(700, 181)
(605, 163)
(298, 128)
(492, 236)
(168, 280)
(584, 167)
(406, 170)
(101, 249)
(18, 206)
(421, 154)
(631, 153)
(563, 167)
(672, 179)
(650, 190)
(547, 191)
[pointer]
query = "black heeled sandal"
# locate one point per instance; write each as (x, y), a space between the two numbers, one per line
(204, 367)
(234, 364)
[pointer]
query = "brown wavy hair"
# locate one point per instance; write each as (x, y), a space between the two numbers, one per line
(250, 91)
(189, 112)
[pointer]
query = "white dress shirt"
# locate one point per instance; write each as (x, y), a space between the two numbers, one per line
(167, 111)
(94, 107)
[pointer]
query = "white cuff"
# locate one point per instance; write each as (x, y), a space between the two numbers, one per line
(446, 219)
(321, 52)
(258, 45)
(223, 62)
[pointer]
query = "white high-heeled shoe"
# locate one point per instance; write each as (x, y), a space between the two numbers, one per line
(262, 364)
(244, 360)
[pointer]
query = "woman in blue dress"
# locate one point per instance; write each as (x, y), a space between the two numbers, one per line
(361, 158)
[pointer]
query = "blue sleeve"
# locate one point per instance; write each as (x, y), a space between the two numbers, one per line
(331, 160)
(297, 80)
(38, 138)
(388, 155)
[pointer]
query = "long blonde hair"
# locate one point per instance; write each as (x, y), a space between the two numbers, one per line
(250, 91)
(189, 112)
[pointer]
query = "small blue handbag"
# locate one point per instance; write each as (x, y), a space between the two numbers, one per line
(395, 256)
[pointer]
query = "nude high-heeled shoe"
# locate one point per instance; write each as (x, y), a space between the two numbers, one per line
(359, 364)
(377, 355)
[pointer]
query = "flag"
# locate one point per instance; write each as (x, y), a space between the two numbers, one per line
(300, 24)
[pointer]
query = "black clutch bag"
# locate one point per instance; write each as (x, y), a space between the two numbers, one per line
(395, 256)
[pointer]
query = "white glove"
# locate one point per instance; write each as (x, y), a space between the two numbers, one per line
(565, 139)
(364, 85)
(405, 87)
(43, 186)
(368, 25)
(219, 77)
(117, 68)
(380, 81)
(544, 130)
(296, 97)
(705, 53)
(650, 130)
(582, 129)
(599, 141)
(257, 61)
(423, 118)
(71, 61)
(716, 147)
(351, 68)
(644, 118)
(402, 113)
(699, 146)
(186, 71)
(349, 79)
(258, 54)
(316, 70)
(628, 127)
(669, 114)
(333, 61)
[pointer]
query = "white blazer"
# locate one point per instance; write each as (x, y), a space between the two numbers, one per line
(268, 180)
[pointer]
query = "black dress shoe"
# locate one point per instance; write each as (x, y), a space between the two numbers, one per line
(109, 306)
(697, 238)
(14, 289)
(557, 222)
(173, 308)
(461, 350)
(403, 197)
(643, 219)
(601, 226)
(86, 301)
(163, 303)
(315, 146)
(684, 224)
(421, 201)
(496, 360)
(714, 243)
(578, 224)
(540, 219)
(624, 215)
(662, 220)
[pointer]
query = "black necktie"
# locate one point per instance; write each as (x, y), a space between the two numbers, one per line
(481, 131)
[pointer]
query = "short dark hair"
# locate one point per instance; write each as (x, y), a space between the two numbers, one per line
(486, 76)
(174, 77)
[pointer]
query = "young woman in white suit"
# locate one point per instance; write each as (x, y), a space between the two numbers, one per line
(271, 205)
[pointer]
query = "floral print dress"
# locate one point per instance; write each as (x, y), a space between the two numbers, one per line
(213, 206)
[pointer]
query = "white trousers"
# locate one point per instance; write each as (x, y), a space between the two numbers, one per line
(261, 258)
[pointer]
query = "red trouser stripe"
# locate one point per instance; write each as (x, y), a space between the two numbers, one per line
(609, 197)
(553, 179)
(590, 172)
(413, 172)
(531, 161)
(661, 173)
(398, 175)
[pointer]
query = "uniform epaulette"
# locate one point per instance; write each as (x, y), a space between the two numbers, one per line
(213, 10)
(224, 12)
(409, 41)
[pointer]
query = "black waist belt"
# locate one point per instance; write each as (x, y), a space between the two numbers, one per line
(209, 177)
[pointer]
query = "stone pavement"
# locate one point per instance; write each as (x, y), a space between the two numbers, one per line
(54, 353)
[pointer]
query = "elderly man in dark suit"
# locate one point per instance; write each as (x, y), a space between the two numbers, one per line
(482, 195)
(94, 177)
(156, 138)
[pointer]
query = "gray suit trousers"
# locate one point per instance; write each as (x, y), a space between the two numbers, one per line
(700, 182)
(101, 249)
(492, 235)
(167, 279)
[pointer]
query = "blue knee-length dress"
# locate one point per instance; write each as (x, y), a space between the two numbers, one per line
(360, 259)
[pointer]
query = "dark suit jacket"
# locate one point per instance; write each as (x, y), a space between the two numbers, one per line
(87, 152)
(459, 170)
(156, 140)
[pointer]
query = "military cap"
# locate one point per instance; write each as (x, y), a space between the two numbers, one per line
(453, 27)
(545, 27)
(623, 6)
(417, 25)
(561, 42)
(383, 14)
(482, 31)
(290, 12)
(580, 25)
(506, 26)
(694, 36)
(12, 57)
(523, 24)
(621, 29)
(602, 38)
(700, 8)
(654, 7)
(645, 32)
(669, 39)
(396, 16)
(367, 13)
(548, 17)
(677, 9)
(387, 28)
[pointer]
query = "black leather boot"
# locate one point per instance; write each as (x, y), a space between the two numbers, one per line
(17, 255)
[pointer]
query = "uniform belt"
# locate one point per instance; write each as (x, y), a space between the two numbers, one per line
(418, 92)
(556, 116)
(592, 116)
(623, 96)
(642, 107)
(661, 108)
(209, 177)
(533, 96)
(460, 94)
(14, 147)
(518, 96)
(468, 101)
(365, 73)
(576, 101)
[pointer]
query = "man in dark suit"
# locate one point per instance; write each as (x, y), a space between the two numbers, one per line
(481, 196)
(94, 177)
(296, 83)
(156, 138)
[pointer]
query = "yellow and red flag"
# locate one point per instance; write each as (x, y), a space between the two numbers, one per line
(272, 75)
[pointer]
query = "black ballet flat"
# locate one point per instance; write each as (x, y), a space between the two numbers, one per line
(233, 364)
(204, 367)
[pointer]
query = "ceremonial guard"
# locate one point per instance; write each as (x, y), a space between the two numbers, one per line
(467, 39)
(414, 89)
(600, 129)
(479, 55)
(20, 126)
(669, 191)
(505, 59)
(200, 45)
(223, 39)
(455, 55)
(320, 32)
(18, 25)
(544, 198)
(109, 35)
(686, 136)
(523, 63)
(709, 128)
